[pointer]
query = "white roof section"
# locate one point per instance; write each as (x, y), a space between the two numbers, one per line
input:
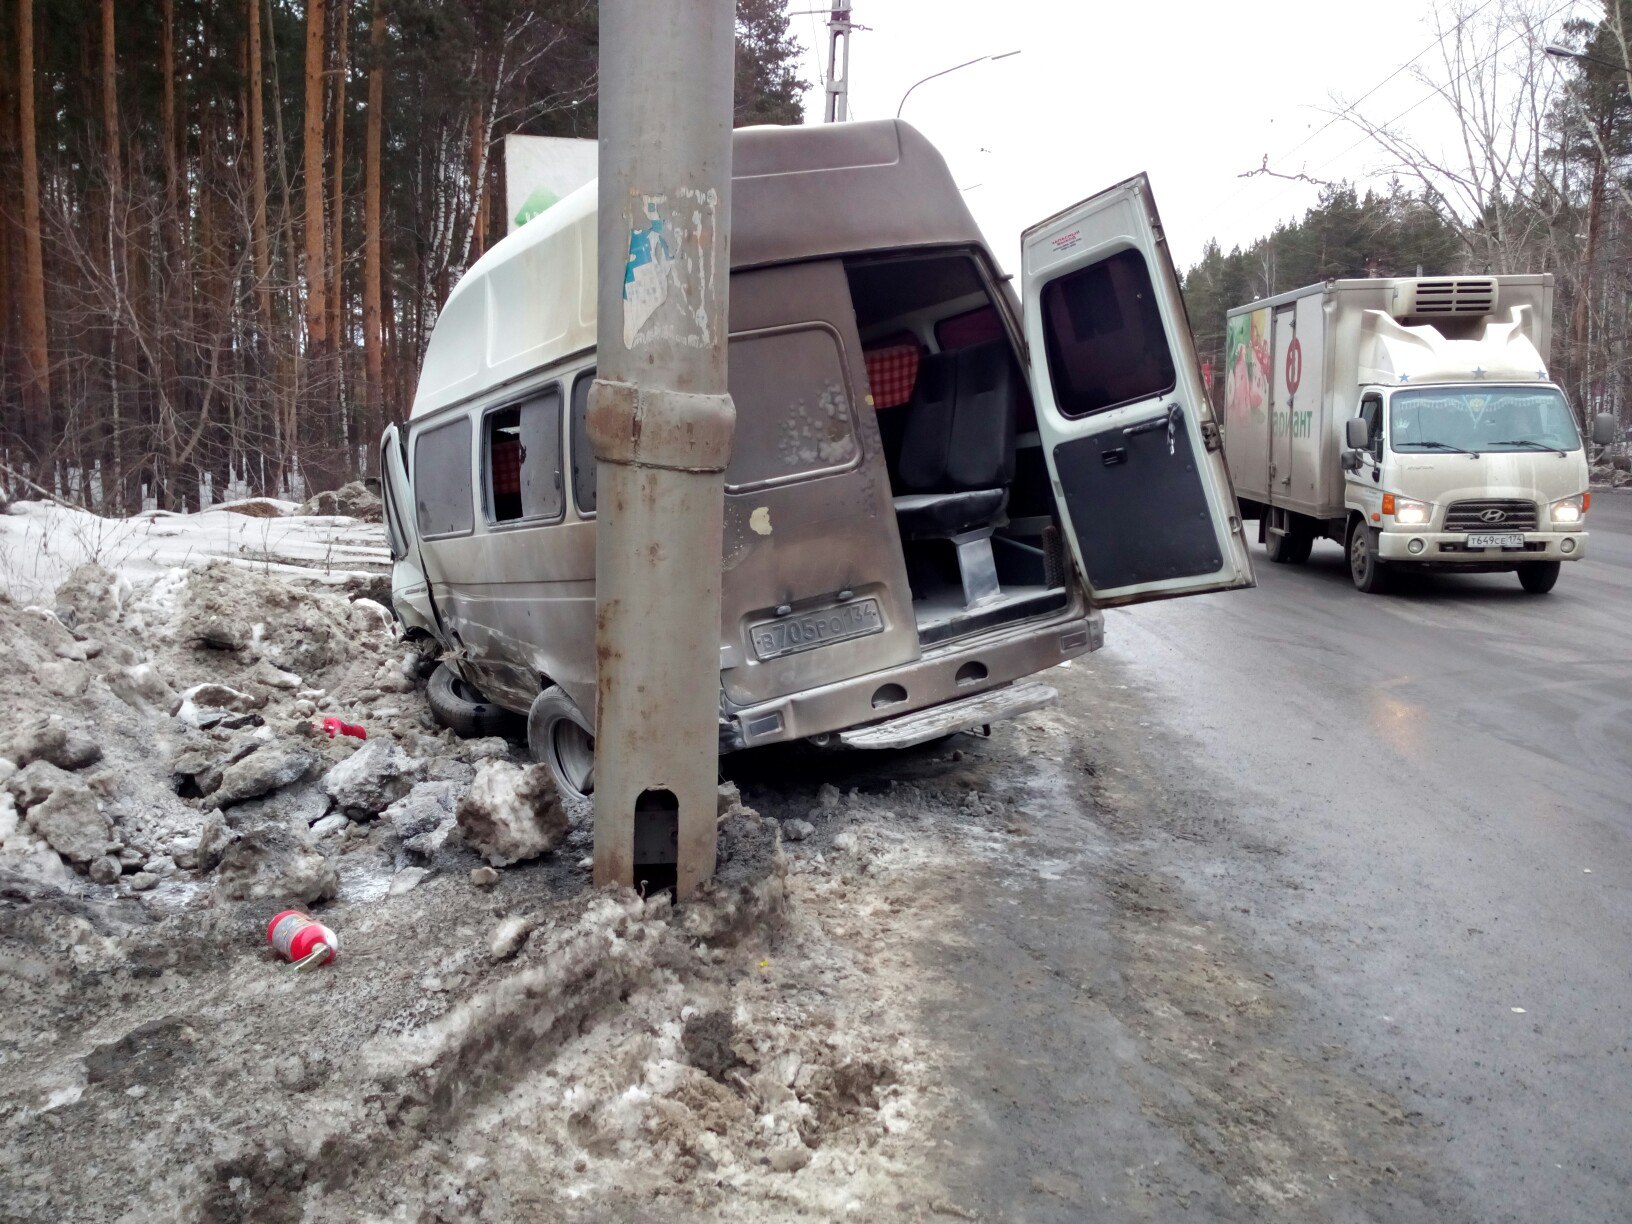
(797, 193)
(529, 301)
(1392, 354)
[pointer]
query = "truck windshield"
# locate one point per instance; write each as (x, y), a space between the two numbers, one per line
(1481, 420)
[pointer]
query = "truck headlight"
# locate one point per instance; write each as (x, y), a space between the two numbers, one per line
(1571, 511)
(1409, 513)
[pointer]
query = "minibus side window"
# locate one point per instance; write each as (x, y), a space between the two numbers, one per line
(1104, 336)
(522, 447)
(583, 455)
(442, 494)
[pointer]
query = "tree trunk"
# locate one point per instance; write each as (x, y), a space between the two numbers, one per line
(318, 399)
(257, 160)
(339, 437)
(317, 333)
(36, 363)
(373, 340)
(119, 496)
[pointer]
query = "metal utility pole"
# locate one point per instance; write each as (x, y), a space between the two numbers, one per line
(660, 421)
(838, 64)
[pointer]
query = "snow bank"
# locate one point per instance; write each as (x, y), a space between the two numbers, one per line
(41, 543)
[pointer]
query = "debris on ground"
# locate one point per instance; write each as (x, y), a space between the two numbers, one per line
(511, 813)
(507, 1044)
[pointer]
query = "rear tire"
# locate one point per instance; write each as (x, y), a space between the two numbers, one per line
(463, 710)
(560, 737)
(1288, 548)
(1370, 573)
(1539, 577)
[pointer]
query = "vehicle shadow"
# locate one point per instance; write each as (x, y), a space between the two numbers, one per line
(1328, 567)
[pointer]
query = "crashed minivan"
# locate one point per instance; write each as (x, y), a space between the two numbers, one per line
(934, 489)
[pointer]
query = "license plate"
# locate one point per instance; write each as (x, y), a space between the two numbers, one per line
(788, 635)
(1496, 541)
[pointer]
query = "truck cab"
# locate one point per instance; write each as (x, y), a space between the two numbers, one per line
(1484, 477)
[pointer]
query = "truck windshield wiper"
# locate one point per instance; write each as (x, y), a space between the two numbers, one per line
(1529, 442)
(1437, 446)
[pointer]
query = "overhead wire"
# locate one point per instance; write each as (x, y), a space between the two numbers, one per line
(1427, 97)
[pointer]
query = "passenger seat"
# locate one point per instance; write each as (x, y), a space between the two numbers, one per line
(957, 457)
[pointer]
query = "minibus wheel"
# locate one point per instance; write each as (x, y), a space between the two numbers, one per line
(560, 737)
(461, 709)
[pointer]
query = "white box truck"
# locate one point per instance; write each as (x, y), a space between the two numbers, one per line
(1412, 421)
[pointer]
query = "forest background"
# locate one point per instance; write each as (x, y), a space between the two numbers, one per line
(227, 226)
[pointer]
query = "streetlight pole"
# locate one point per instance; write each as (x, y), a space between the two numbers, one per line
(660, 421)
(838, 64)
(979, 59)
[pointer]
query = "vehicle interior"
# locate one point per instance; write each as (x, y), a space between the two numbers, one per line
(972, 497)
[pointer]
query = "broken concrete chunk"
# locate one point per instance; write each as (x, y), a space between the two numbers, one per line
(71, 824)
(62, 678)
(512, 813)
(483, 877)
(797, 830)
(90, 594)
(507, 939)
(422, 809)
(34, 783)
(269, 863)
(142, 688)
(264, 771)
(52, 739)
(372, 778)
(105, 870)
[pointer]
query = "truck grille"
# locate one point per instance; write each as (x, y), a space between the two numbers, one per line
(1483, 516)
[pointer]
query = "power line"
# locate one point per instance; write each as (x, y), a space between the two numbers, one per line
(1428, 97)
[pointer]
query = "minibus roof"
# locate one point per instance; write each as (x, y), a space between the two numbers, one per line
(797, 193)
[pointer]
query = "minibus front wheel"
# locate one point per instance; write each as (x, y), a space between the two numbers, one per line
(560, 737)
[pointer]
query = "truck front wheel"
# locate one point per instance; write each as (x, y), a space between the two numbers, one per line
(1370, 572)
(1538, 577)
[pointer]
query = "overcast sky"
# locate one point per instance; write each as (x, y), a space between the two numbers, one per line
(1193, 93)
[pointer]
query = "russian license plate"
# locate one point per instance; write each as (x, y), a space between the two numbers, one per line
(1511, 540)
(788, 635)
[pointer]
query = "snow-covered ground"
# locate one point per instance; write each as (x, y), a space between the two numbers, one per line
(41, 543)
(490, 1044)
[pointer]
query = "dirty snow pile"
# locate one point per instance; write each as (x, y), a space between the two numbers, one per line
(496, 1039)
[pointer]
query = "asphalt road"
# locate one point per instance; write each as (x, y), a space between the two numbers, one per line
(1301, 904)
(1450, 771)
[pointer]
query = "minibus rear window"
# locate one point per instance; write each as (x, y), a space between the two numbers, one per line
(794, 413)
(1104, 336)
(442, 499)
(522, 444)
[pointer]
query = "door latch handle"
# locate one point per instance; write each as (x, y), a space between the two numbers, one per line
(1169, 420)
(1114, 456)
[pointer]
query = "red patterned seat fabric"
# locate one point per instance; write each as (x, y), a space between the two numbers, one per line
(507, 466)
(891, 374)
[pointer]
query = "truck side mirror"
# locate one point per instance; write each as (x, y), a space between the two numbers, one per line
(1603, 428)
(1357, 432)
(1350, 461)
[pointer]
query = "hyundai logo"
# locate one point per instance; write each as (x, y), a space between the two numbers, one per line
(1493, 515)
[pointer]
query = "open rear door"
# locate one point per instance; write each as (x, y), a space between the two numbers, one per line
(1133, 449)
(410, 593)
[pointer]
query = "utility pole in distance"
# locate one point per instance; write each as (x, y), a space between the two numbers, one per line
(838, 64)
(660, 421)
